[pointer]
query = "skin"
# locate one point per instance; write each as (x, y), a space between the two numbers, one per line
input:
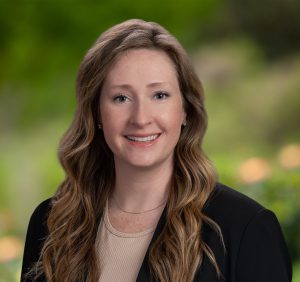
(141, 98)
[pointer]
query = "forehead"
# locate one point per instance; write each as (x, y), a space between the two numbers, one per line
(148, 64)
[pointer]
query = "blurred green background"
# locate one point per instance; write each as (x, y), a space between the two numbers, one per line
(247, 54)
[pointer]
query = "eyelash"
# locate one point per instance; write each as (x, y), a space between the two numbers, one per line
(123, 98)
(120, 98)
(165, 94)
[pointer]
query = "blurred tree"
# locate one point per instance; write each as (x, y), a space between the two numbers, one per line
(274, 24)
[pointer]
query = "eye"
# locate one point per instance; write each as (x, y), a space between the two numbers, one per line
(120, 98)
(161, 95)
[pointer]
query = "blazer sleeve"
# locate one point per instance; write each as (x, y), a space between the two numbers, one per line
(263, 254)
(36, 234)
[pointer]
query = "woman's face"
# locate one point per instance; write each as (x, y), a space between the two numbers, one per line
(142, 109)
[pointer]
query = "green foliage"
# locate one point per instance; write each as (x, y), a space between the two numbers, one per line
(274, 24)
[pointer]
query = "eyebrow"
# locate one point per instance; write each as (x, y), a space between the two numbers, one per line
(128, 86)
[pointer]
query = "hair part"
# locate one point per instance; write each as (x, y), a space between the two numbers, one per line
(69, 251)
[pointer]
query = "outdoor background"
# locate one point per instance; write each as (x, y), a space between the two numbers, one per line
(246, 52)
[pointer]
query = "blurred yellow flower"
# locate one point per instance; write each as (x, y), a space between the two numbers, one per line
(254, 170)
(10, 248)
(289, 156)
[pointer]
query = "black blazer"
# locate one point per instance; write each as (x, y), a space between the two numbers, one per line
(255, 247)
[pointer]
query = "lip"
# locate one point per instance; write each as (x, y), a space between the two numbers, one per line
(142, 144)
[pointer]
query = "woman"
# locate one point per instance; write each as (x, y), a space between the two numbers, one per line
(140, 199)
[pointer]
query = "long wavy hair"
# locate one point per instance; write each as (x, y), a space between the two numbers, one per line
(68, 253)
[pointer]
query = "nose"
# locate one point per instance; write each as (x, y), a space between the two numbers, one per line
(140, 114)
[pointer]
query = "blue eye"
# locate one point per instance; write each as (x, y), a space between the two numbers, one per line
(161, 95)
(120, 98)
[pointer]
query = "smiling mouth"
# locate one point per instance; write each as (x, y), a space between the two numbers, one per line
(143, 139)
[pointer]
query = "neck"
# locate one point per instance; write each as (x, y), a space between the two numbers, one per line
(142, 188)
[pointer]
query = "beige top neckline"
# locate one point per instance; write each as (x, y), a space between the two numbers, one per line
(118, 233)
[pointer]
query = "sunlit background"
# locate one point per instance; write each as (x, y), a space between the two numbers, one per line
(246, 52)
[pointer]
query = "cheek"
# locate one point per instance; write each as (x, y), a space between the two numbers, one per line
(177, 114)
(113, 124)
(172, 120)
(108, 116)
(111, 136)
(108, 126)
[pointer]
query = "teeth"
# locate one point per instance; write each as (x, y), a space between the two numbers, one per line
(142, 139)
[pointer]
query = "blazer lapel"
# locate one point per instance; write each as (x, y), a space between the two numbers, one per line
(144, 273)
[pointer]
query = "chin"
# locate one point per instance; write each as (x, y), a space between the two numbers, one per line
(148, 164)
(144, 165)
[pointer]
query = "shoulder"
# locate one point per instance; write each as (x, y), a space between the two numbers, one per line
(233, 212)
(252, 236)
(237, 214)
(227, 205)
(38, 220)
(40, 213)
(231, 198)
(37, 232)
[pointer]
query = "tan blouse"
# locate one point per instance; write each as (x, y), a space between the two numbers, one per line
(120, 254)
